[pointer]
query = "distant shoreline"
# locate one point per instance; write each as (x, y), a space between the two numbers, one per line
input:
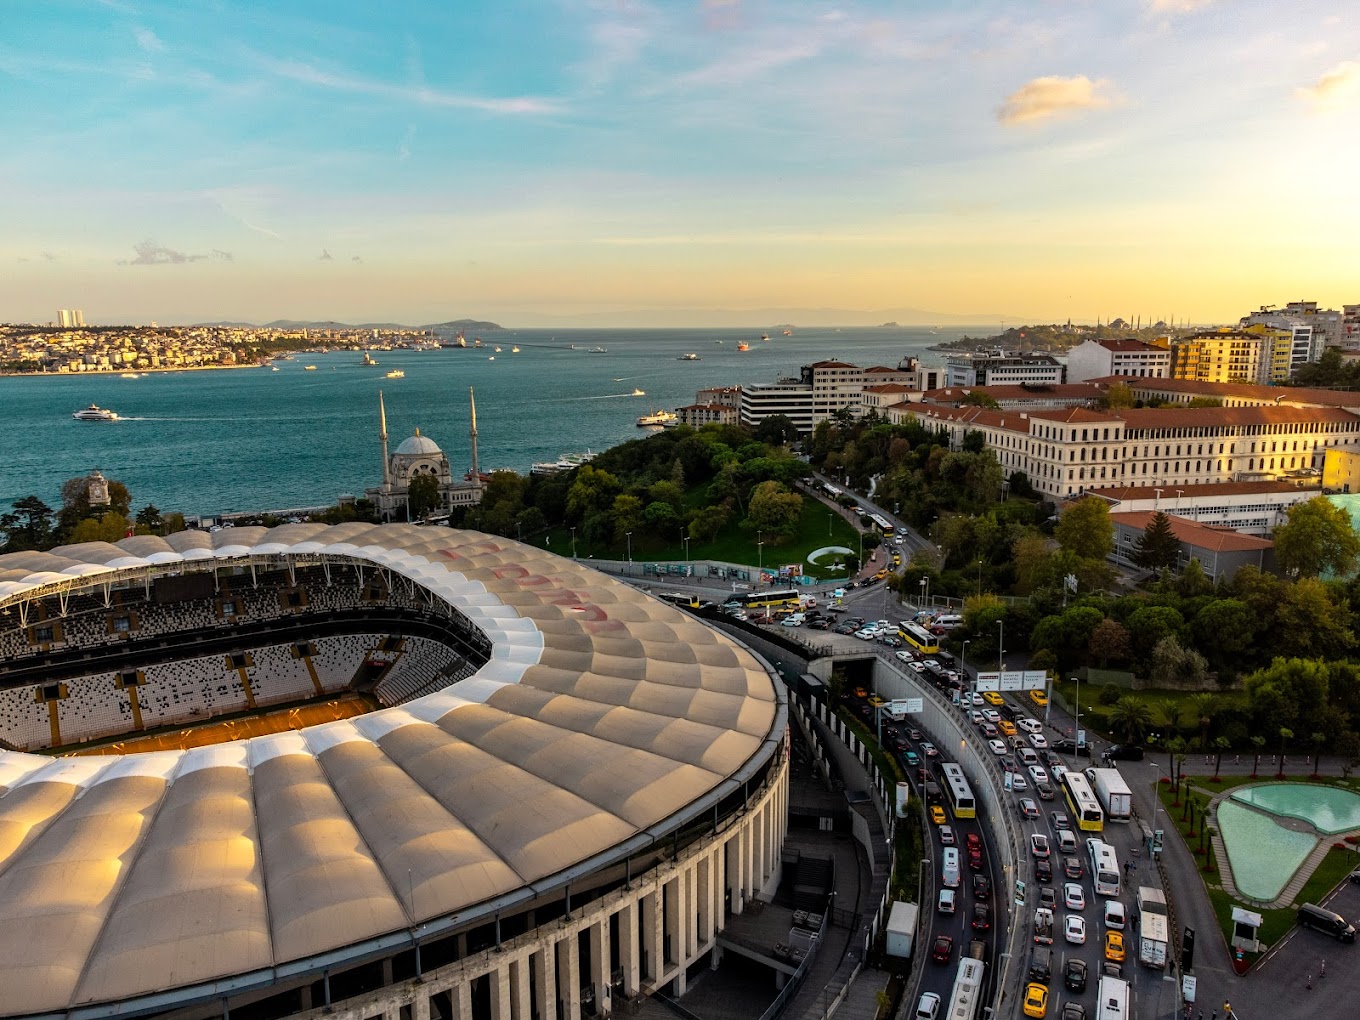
(120, 371)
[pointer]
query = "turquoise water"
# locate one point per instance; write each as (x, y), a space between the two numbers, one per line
(1329, 809)
(1264, 856)
(215, 441)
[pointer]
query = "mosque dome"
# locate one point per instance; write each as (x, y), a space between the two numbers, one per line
(418, 445)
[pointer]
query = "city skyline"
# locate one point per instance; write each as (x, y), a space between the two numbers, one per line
(540, 163)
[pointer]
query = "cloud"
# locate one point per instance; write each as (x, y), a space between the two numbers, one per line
(48, 256)
(223, 256)
(1054, 96)
(149, 253)
(1338, 87)
(355, 258)
(325, 256)
(148, 40)
(1177, 6)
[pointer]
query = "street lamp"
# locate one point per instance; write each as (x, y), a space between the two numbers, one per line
(1001, 646)
(573, 543)
(760, 555)
(1076, 702)
(963, 658)
(924, 585)
(629, 536)
(685, 539)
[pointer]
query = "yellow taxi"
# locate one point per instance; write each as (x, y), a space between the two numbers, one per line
(1114, 946)
(1006, 727)
(1038, 697)
(992, 698)
(937, 814)
(1036, 999)
(876, 702)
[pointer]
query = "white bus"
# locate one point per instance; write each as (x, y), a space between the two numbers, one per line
(1113, 1000)
(1104, 867)
(967, 995)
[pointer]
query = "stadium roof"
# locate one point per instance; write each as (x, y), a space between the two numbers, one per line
(603, 715)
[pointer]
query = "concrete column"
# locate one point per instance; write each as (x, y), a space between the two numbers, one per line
(461, 994)
(749, 848)
(521, 1007)
(420, 1009)
(545, 980)
(675, 927)
(704, 894)
(736, 866)
(569, 975)
(628, 948)
(652, 935)
(500, 992)
(599, 966)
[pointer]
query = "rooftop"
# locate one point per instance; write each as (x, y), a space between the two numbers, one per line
(1194, 534)
(1265, 394)
(1126, 493)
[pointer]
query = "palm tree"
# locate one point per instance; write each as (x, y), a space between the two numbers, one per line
(1175, 751)
(1286, 735)
(1203, 707)
(1318, 740)
(1257, 742)
(1221, 744)
(1167, 715)
(1130, 717)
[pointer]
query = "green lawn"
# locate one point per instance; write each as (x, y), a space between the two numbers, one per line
(818, 526)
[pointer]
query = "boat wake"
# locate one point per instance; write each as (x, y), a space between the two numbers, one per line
(605, 396)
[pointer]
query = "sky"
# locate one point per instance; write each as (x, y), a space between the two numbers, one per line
(664, 163)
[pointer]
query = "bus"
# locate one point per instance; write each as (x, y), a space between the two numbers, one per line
(884, 526)
(960, 793)
(919, 638)
(831, 490)
(784, 598)
(1104, 867)
(1112, 1003)
(1082, 801)
(966, 998)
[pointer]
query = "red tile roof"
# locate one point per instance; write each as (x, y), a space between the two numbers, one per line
(1194, 534)
(1211, 417)
(830, 364)
(1078, 414)
(1245, 391)
(1206, 490)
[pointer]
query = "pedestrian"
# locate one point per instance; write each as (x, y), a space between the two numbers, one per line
(1237, 759)
(1322, 969)
(1310, 982)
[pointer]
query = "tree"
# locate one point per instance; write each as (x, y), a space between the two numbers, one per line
(108, 528)
(661, 518)
(1109, 641)
(1203, 705)
(1117, 397)
(1224, 630)
(978, 398)
(1158, 548)
(1130, 718)
(777, 430)
(1258, 742)
(1085, 529)
(592, 491)
(1348, 750)
(1286, 735)
(1172, 665)
(774, 510)
(1148, 625)
(149, 518)
(1316, 537)
(1166, 715)
(1221, 744)
(1318, 740)
(422, 497)
(707, 523)
(1308, 621)
(627, 511)
(28, 525)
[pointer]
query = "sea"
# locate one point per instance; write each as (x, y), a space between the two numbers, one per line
(211, 442)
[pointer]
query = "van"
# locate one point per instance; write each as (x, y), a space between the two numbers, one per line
(1327, 921)
(1040, 964)
(1067, 842)
(949, 867)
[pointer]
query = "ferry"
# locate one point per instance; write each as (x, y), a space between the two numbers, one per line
(129, 375)
(639, 393)
(743, 346)
(567, 462)
(396, 373)
(367, 359)
(764, 336)
(94, 413)
(661, 418)
(599, 350)
(514, 350)
(689, 357)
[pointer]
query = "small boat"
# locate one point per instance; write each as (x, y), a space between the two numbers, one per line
(599, 350)
(309, 368)
(788, 332)
(94, 413)
(273, 368)
(129, 375)
(689, 357)
(514, 350)
(743, 346)
(498, 350)
(662, 418)
(492, 358)
(367, 359)
(476, 341)
(764, 336)
(396, 373)
(719, 342)
(639, 393)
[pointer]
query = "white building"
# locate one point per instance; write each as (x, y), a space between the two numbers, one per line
(1093, 359)
(1314, 328)
(827, 388)
(1252, 508)
(789, 397)
(999, 368)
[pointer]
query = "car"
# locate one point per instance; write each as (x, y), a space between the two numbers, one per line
(975, 858)
(1115, 917)
(1058, 770)
(975, 717)
(989, 731)
(1072, 1011)
(1069, 746)
(1124, 752)
(876, 702)
(866, 635)
(1074, 929)
(1038, 773)
(1018, 782)
(916, 734)
(843, 628)
(1072, 867)
(937, 814)
(982, 917)
(1028, 809)
(982, 887)
(791, 621)
(1027, 756)
(992, 698)
(1114, 946)
(1073, 896)
(1039, 698)
(1052, 759)
(1038, 740)
(997, 747)
(976, 699)
(929, 1006)
(821, 624)
(1038, 845)
(991, 715)
(942, 949)
(1074, 975)
(860, 692)
(931, 750)
(1060, 820)
(1043, 871)
(911, 758)
(1007, 727)
(1036, 1000)
(1044, 790)
(973, 841)
(890, 641)
(947, 900)
(1007, 763)
(1048, 898)
(946, 836)
(1111, 969)
(906, 657)
(1028, 725)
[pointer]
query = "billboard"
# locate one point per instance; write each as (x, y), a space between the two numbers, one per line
(1012, 680)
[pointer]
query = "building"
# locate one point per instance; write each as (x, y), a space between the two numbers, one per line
(1222, 552)
(1250, 508)
(699, 415)
(1094, 359)
(1313, 328)
(789, 397)
(825, 389)
(1220, 356)
(1183, 391)
(1023, 398)
(728, 396)
(998, 368)
(1066, 453)
(418, 456)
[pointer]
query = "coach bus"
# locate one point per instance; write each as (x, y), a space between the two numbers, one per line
(884, 526)
(966, 998)
(1104, 867)
(1082, 801)
(919, 638)
(960, 793)
(831, 491)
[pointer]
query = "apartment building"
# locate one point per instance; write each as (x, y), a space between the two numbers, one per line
(999, 368)
(1221, 355)
(1022, 398)
(697, 415)
(1094, 359)
(1182, 391)
(826, 388)
(789, 397)
(1313, 328)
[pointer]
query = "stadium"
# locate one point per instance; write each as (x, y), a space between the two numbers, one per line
(367, 771)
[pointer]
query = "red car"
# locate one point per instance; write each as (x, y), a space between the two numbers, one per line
(974, 841)
(975, 858)
(943, 949)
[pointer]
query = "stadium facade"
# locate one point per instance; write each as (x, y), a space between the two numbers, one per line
(557, 816)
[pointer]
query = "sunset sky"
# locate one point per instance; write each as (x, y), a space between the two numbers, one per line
(679, 162)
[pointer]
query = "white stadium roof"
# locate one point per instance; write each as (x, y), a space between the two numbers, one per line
(601, 715)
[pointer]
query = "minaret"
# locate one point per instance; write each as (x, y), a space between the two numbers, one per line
(387, 464)
(472, 399)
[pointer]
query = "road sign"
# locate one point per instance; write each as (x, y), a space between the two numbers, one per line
(1019, 891)
(1081, 738)
(1188, 983)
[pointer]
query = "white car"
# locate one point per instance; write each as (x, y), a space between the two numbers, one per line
(1018, 782)
(1028, 725)
(998, 747)
(991, 715)
(947, 901)
(1038, 774)
(1073, 897)
(1038, 740)
(1114, 915)
(1038, 845)
(904, 656)
(976, 718)
(929, 1006)
(1074, 927)
(1059, 770)
(866, 634)
(976, 699)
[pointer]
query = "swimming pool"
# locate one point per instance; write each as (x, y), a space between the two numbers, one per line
(1264, 855)
(1330, 809)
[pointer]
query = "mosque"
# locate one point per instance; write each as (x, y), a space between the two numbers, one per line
(419, 455)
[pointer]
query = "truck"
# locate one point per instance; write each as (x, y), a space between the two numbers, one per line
(1043, 926)
(1114, 794)
(1153, 927)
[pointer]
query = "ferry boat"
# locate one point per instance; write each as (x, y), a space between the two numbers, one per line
(567, 462)
(764, 336)
(367, 359)
(689, 357)
(743, 346)
(599, 350)
(94, 413)
(514, 350)
(639, 393)
(396, 373)
(129, 375)
(661, 418)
